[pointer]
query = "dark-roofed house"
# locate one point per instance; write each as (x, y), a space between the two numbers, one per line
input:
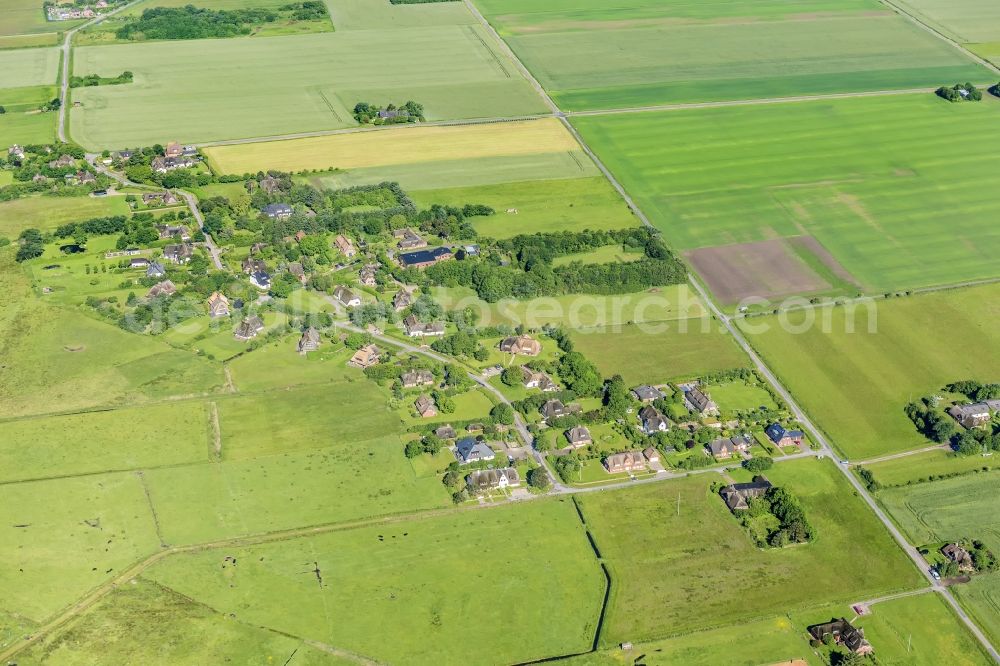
(539, 380)
(346, 296)
(310, 340)
(424, 258)
(417, 377)
(402, 300)
(218, 305)
(971, 416)
(646, 393)
(843, 633)
(249, 328)
(261, 280)
(959, 556)
(521, 344)
(698, 401)
(368, 275)
(138, 262)
(167, 231)
(652, 420)
(484, 480)
(727, 447)
(178, 254)
(579, 436)
(165, 288)
(365, 357)
(425, 406)
(554, 409)
(155, 270)
(165, 164)
(250, 265)
(446, 432)
(409, 239)
(277, 211)
(781, 437)
(470, 450)
(629, 461)
(63, 161)
(417, 329)
(738, 495)
(652, 455)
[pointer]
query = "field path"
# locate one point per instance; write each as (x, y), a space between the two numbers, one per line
(904, 454)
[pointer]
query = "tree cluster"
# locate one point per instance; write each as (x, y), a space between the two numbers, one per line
(190, 22)
(95, 80)
(960, 92)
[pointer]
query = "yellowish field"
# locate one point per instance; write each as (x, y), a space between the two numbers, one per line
(404, 145)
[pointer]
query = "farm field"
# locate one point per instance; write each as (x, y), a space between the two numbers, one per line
(27, 17)
(911, 469)
(23, 123)
(542, 206)
(739, 175)
(28, 41)
(277, 366)
(960, 507)
(667, 351)
(599, 56)
(740, 396)
(103, 441)
(970, 21)
(398, 146)
(47, 213)
(981, 599)
(381, 593)
(239, 88)
(22, 68)
(699, 562)
(856, 384)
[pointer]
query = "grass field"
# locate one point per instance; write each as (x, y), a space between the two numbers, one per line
(27, 16)
(963, 507)
(238, 88)
(642, 356)
(24, 128)
(47, 213)
(394, 147)
(969, 21)
(21, 68)
(167, 434)
(609, 254)
(542, 206)
(981, 599)
(411, 592)
(700, 568)
(901, 471)
(62, 538)
(752, 173)
(145, 623)
(856, 384)
(596, 55)
(740, 396)
(277, 366)
(29, 41)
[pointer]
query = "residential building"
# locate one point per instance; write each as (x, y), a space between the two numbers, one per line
(652, 420)
(554, 409)
(165, 164)
(727, 447)
(178, 254)
(366, 357)
(425, 406)
(85, 178)
(652, 455)
(425, 258)
(296, 269)
(310, 340)
(539, 380)
(959, 556)
(470, 450)
(409, 239)
(843, 633)
(15, 152)
(251, 265)
(346, 296)
(971, 416)
(579, 436)
(270, 184)
(524, 345)
(138, 262)
(698, 401)
(277, 211)
(249, 328)
(782, 437)
(417, 377)
(737, 496)
(165, 288)
(173, 149)
(155, 270)
(167, 231)
(417, 329)
(367, 275)
(345, 246)
(446, 432)
(218, 305)
(484, 480)
(402, 300)
(62, 162)
(647, 393)
(629, 461)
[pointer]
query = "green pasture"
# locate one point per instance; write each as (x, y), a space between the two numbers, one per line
(856, 383)
(166, 434)
(962, 507)
(21, 68)
(28, 41)
(740, 396)
(660, 351)
(541, 206)
(376, 15)
(911, 469)
(411, 591)
(27, 128)
(215, 338)
(27, 17)
(981, 599)
(143, 622)
(47, 213)
(343, 482)
(62, 538)
(597, 56)
(969, 21)
(237, 88)
(469, 406)
(750, 173)
(279, 366)
(700, 568)
(609, 254)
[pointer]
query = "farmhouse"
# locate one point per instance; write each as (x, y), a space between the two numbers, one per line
(409, 240)
(249, 328)
(425, 406)
(417, 329)
(579, 436)
(629, 461)
(414, 378)
(261, 280)
(737, 496)
(959, 556)
(173, 149)
(424, 258)
(253, 266)
(365, 357)
(165, 198)
(647, 393)
(166, 231)
(310, 340)
(155, 270)
(178, 254)
(346, 296)
(554, 409)
(843, 633)
(492, 479)
(470, 450)
(367, 275)
(727, 447)
(521, 344)
(539, 380)
(446, 432)
(345, 246)
(697, 401)
(165, 288)
(971, 416)
(277, 211)
(218, 305)
(165, 164)
(402, 300)
(781, 437)
(16, 152)
(63, 161)
(652, 420)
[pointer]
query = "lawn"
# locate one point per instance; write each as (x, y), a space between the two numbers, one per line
(609, 254)
(64, 537)
(911, 469)
(21, 68)
(152, 436)
(808, 170)
(239, 88)
(856, 383)
(411, 592)
(400, 146)
(469, 406)
(47, 213)
(969, 21)
(700, 568)
(981, 599)
(963, 507)
(345, 481)
(542, 206)
(659, 352)
(740, 396)
(595, 55)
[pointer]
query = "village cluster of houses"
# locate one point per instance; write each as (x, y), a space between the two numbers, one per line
(73, 13)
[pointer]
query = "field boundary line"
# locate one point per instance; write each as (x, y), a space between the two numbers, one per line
(216, 428)
(152, 507)
(493, 54)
